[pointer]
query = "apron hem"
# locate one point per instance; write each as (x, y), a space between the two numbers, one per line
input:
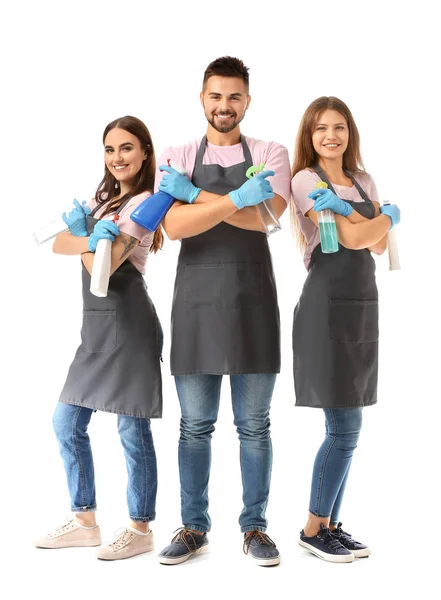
(116, 412)
(339, 406)
(258, 372)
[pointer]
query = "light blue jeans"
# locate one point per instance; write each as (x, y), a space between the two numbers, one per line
(333, 461)
(70, 424)
(199, 396)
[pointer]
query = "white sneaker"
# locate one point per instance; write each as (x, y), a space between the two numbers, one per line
(129, 542)
(70, 535)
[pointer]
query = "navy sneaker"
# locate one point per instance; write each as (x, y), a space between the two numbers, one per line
(261, 548)
(326, 546)
(358, 550)
(183, 545)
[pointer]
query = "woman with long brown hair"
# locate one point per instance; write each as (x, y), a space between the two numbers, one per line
(117, 366)
(335, 334)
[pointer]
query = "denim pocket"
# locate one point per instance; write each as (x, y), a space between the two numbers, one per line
(353, 321)
(99, 332)
(227, 285)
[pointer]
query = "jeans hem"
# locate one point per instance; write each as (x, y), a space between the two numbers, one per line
(316, 514)
(197, 528)
(249, 528)
(84, 508)
(142, 519)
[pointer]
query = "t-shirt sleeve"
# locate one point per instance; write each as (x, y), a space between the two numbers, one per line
(125, 223)
(368, 185)
(303, 183)
(162, 160)
(373, 192)
(277, 160)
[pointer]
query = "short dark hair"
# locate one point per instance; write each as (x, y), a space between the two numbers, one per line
(227, 66)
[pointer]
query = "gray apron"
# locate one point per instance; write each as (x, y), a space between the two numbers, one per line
(335, 333)
(117, 366)
(225, 317)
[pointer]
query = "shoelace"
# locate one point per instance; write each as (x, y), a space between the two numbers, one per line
(343, 535)
(261, 538)
(328, 538)
(185, 536)
(124, 537)
(62, 528)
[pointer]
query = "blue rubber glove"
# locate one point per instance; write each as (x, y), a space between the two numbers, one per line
(254, 191)
(325, 198)
(393, 212)
(76, 219)
(103, 230)
(177, 185)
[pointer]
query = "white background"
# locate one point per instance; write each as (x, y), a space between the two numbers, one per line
(70, 68)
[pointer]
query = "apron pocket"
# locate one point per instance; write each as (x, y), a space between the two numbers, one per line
(353, 321)
(228, 285)
(203, 285)
(98, 333)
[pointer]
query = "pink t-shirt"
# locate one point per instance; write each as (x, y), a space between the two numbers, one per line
(140, 253)
(273, 155)
(304, 182)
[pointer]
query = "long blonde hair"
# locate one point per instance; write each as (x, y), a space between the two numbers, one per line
(306, 157)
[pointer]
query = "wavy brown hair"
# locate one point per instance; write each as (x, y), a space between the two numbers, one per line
(305, 157)
(109, 188)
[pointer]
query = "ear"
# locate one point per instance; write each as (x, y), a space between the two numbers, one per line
(201, 98)
(248, 102)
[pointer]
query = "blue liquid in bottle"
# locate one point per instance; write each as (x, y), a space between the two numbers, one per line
(327, 226)
(328, 231)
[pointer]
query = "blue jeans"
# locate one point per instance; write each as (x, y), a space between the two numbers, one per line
(199, 396)
(70, 424)
(333, 461)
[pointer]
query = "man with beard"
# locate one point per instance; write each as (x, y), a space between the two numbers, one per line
(225, 317)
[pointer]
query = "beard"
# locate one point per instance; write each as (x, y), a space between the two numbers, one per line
(222, 127)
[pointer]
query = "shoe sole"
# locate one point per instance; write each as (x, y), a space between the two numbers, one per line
(170, 560)
(266, 562)
(336, 558)
(73, 544)
(126, 556)
(361, 553)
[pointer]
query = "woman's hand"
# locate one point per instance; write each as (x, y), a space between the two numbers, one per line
(77, 218)
(327, 199)
(103, 230)
(393, 212)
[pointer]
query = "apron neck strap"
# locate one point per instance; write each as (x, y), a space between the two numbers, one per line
(317, 168)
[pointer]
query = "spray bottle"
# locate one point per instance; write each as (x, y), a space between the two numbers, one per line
(327, 226)
(151, 212)
(267, 214)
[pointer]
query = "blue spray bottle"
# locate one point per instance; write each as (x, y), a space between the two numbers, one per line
(150, 213)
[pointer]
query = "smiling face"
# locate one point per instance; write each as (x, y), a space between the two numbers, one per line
(124, 156)
(330, 137)
(225, 101)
